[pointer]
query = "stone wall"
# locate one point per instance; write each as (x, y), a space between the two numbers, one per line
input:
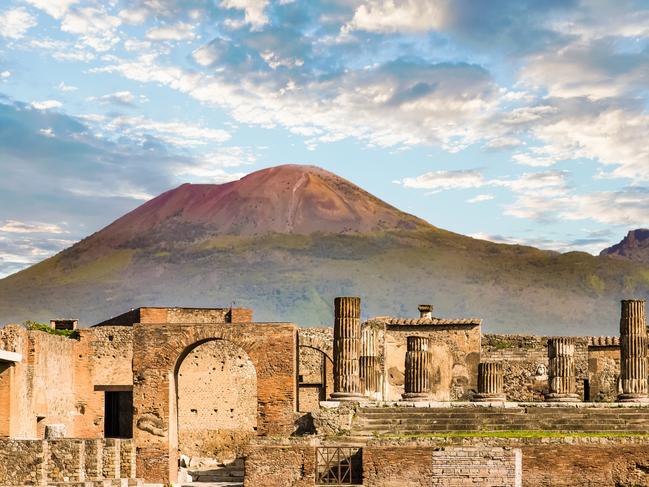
(41, 462)
(217, 401)
(525, 364)
(455, 356)
(604, 372)
(417, 466)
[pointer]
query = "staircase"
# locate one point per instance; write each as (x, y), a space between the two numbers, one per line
(421, 421)
(230, 475)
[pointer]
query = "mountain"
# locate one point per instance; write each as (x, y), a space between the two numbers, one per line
(635, 247)
(286, 240)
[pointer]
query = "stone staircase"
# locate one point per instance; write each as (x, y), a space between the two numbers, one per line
(230, 475)
(372, 421)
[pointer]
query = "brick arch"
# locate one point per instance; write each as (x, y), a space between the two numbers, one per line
(157, 352)
(318, 343)
(210, 398)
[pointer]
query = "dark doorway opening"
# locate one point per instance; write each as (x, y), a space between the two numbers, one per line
(586, 390)
(118, 414)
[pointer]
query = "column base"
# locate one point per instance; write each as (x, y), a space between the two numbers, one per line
(643, 398)
(556, 397)
(415, 396)
(485, 397)
(347, 396)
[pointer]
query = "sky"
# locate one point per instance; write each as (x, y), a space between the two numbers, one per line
(517, 121)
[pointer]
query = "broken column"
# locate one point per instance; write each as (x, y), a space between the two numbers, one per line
(417, 380)
(490, 382)
(369, 363)
(561, 370)
(633, 351)
(347, 348)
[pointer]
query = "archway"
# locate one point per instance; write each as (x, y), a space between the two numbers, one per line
(216, 402)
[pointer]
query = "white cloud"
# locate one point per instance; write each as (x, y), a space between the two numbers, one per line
(54, 8)
(176, 133)
(444, 180)
(480, 198)
(503, 143)
(46, 104)
(178, 32)
(83, 56)
(400, 16)
(125, 98)
(94, 25)
(13, 226)
(48, 132)
(5, 74)
(136, 45)
(14, 23)
(66, 88)
(590, 245)
(254, 10)
(134, 16)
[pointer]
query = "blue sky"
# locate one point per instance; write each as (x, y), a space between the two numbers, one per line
(521, 121)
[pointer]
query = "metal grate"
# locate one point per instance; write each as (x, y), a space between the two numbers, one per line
(339, 465)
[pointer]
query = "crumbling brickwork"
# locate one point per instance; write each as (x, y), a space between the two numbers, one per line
(217, 401)
(157, 352)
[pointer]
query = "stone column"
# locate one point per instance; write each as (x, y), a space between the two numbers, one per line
(369, 363)
(417, 386)
(561, 370)
(490, 382)
(347, 348)
(633, 351)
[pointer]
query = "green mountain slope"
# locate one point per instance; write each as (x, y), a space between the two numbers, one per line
(295, 276)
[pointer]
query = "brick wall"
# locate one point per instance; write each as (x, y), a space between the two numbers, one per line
(158, 349)
(537, 462)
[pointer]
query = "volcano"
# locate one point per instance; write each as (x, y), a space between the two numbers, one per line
(286, 240)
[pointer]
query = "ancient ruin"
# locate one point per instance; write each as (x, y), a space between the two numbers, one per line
(193, 396)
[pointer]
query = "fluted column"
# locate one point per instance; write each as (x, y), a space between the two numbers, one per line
(347, 348)
(369, 363)
(417, 386)
(490, 382)
(633, 351)
(561, 370)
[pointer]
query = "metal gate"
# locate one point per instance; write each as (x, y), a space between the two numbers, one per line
(339, 465)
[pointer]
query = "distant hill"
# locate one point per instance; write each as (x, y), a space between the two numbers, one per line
(635, 247)
(287, 240)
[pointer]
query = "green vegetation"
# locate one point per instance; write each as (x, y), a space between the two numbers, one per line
(502, 344)
(32, 325)
(514, 289)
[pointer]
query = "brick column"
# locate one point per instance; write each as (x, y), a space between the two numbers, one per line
(347, 348)
(561, 370)
(369, 363)
(490, 382)
(633, 351)
(417, 386)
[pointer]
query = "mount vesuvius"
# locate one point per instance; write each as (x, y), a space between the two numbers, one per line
(286, 240)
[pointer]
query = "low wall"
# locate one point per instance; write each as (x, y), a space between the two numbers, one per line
(40, 462)
(436, 461)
